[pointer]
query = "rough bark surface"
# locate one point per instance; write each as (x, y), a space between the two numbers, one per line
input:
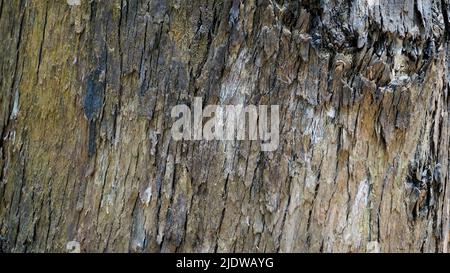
(87, 162)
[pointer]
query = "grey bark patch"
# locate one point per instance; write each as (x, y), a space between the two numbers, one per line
(93, 103)
(94, 97)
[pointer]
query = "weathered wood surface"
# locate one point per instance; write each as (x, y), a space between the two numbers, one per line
(87, 159)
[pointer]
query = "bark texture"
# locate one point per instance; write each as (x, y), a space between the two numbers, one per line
(87, 162)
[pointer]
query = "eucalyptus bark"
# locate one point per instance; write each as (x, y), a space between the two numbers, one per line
(88, 163)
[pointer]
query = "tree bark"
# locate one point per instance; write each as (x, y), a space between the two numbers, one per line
(88, 163)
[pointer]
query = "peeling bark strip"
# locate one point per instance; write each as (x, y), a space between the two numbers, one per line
(87, 160)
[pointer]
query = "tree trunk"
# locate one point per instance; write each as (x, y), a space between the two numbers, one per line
(88, 162)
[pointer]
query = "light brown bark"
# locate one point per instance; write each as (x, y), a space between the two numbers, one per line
(87, 157)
